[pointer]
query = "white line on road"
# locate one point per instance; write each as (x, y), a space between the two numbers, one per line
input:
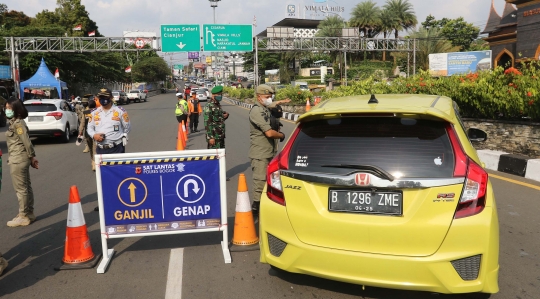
(174, 276)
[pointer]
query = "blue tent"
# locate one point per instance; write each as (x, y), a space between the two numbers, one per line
(43, 79)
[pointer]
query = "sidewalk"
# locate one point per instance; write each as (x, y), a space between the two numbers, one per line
(494, 160)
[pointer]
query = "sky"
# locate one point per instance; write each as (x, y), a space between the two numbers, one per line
(115, 16)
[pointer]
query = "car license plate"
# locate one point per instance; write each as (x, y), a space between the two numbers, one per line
(368, 202)
(35, 118)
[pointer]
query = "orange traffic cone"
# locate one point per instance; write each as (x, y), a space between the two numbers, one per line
(78, 252)
(180, 143)
(308, 105)
(184, 132)
(244, 237)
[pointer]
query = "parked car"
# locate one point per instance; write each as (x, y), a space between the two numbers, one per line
(136, 95)
(120, 97)
(386, 192)
(51, 118)
(4, 96)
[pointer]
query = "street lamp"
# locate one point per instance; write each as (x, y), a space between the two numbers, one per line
(213, 4)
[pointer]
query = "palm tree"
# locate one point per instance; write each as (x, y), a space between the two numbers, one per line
(331, 26)
(388, 22)
(404, 13)
(366, 16)
(430, 41)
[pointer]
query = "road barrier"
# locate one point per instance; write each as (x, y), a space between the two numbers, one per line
(161, 193)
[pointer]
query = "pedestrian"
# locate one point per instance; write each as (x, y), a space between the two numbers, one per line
(263, 141)
(194, 107)
(214, 120)
(109, 125)
(187, 91)
(21, 157)
(86, 117)
(182, 110)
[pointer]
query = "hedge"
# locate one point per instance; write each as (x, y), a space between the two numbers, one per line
(498, 94)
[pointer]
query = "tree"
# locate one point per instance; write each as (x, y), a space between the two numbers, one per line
(430, 41)
(331, 26)
(457, 31)
(366, 16)
(404, 13)
(13, 19)
(45, 18)
(388, 21)
(72, 13)
(150, 70)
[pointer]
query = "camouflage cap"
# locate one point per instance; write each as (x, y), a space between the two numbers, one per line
(264, 89)
(104, 92)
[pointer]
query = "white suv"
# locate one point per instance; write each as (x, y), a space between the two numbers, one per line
(51, 118)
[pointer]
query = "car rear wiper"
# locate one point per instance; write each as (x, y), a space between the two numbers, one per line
(373, 169)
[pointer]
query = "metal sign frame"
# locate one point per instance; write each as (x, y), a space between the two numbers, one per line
(135, 157)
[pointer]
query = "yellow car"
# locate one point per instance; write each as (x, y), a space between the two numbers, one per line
(384, 191)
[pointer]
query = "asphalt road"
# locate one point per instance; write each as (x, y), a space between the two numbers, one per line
(141, 265)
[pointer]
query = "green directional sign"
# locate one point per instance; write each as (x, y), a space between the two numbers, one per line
(221, 38)
(180, 38)
(178, 66)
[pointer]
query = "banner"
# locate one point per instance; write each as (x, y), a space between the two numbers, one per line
(161, 193)
(448, 64)
(193, 55)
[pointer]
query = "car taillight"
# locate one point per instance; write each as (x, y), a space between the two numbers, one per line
(274, 189)
(57, 115)
(473, 196)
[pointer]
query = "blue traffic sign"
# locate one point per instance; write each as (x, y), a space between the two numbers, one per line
(161, 196)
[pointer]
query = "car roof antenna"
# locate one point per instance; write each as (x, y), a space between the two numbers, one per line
(373, 100)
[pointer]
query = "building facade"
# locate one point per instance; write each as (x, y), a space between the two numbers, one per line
(514, 36)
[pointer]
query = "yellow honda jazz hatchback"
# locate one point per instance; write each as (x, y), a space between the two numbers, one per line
(384, 191)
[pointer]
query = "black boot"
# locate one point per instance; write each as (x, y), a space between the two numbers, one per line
(255, 210)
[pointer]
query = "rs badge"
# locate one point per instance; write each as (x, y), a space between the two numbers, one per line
(362, 179)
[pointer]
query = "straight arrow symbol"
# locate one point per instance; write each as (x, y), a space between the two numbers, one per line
(181, 45)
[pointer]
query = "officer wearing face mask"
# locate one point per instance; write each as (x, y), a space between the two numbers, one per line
(109, 125)
(263, 141)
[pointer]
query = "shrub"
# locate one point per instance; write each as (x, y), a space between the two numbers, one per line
(510, 94)
(296, 95)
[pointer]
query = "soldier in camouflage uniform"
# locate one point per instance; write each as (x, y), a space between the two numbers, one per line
(214, 120)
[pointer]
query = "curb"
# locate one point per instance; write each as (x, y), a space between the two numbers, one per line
(494, 160)
(512, 164)
(286, 115)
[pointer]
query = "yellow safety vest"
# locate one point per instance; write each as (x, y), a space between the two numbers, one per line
(178, 111)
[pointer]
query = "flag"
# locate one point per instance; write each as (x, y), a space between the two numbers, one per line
(56, 74)
(78, 27)
(92, 33)
(254, 21)
(128, 69)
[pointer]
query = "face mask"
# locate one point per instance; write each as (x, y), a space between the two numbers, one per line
(267, 101)
(104, 101)
(9, 113)
(273, 97)
(218, 98)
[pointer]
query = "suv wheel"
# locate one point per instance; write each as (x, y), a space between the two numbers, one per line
(67, 133)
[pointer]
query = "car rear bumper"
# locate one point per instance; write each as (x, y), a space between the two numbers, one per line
(46, 133)
(433, 273)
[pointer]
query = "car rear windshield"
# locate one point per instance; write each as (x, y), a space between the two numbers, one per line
(40, 107)
(134, 91)
(408, 148)
(115, 93)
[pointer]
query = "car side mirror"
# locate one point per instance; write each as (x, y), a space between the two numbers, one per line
(476, 135)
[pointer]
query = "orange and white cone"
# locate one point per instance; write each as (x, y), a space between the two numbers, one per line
(180, 143)
(184, 132)
(244, 236)
(308, 105)
(78, 252)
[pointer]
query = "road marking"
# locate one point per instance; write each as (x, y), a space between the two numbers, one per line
(174, 276)
(282, 119)
(514, 181)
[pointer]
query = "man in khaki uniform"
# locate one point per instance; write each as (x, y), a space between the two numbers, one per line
(263, 143)
(84, 118)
